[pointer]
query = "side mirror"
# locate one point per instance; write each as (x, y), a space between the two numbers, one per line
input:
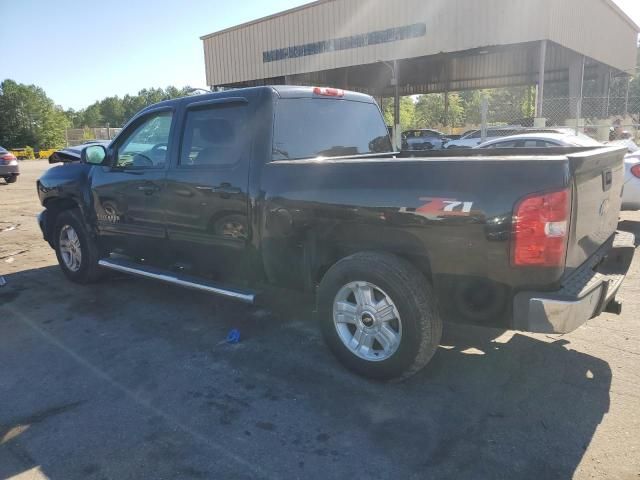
(93, 155)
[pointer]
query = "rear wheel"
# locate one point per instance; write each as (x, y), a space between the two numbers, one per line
(76, 250)
(379, 315)
(11, 179)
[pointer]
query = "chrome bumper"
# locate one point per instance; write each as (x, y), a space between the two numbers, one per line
(585, 294)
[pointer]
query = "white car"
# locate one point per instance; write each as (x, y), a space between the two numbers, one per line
(631, 192)
(474, 138)
(542, 140)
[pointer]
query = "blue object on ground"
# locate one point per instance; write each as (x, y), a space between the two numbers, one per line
(233, 336)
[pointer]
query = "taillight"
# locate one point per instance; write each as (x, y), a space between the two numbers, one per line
(540, 230)
(635, 170)
(328, 92)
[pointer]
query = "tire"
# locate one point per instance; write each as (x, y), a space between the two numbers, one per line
(397, 290)
(85, 269)
(11, 179)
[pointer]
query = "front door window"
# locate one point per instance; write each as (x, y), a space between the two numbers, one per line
(146, 146)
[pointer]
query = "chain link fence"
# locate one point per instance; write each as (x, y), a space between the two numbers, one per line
(602, 118)
(78, 136)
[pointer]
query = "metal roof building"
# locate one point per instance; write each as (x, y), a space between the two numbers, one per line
(442, 44)
(435, 45)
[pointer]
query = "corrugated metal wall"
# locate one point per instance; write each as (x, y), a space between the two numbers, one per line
(590, 27)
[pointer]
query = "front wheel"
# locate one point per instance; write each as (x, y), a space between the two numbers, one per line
(379, 315)
(76, 251)
(11, 179)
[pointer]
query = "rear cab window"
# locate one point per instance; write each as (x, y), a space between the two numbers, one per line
(315, 127)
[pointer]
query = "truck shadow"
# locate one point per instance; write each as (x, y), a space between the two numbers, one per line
(144, 368)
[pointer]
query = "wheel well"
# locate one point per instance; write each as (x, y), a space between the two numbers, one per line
(54, 208)
(421, 262)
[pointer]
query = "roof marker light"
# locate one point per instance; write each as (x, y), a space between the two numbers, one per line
(328, 92)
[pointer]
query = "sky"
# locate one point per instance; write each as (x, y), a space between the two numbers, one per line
(83, 51)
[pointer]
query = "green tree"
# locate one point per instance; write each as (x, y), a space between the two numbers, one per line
(508, 105)
(431, 111)
(92, 116)
(471, 101)
(29, 117)
(407, 112)
(116, 111)
(112, 111)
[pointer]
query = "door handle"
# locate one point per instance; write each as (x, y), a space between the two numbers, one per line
(222, 188)
(148, 189)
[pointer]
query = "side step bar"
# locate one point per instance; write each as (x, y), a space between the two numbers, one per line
(126, 266)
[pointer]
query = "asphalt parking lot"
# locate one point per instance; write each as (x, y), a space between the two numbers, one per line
(131, 379)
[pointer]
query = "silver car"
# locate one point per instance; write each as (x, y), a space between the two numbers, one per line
(9, 168)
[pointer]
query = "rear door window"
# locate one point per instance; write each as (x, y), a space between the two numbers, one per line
(215, 136)
(310, 128)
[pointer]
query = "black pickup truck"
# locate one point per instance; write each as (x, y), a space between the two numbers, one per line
(297, 187)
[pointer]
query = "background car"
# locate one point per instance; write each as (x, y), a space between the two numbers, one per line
(9, 169)
(474, 138)
(423, 139)
(631, 192)
(541, 140)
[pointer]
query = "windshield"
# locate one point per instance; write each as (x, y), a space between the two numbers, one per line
(314, 127)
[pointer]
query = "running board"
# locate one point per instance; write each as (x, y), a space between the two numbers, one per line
(167, 276)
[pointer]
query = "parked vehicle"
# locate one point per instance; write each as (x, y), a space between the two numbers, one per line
(232, 192)
(628, 143)
(541, 140)
(474, 138)
(423, 139)
(631, 193)
(9, 168)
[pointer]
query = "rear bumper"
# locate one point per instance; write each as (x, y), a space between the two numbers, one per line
(584, 295)
(9, 170)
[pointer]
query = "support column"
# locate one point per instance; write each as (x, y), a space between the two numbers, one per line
(540, 120)
(447, 76)
(397, 133)
(445, 120)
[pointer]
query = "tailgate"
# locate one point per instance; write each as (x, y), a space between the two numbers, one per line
(598, 177)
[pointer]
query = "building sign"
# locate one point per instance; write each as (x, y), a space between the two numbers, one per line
(344, 43)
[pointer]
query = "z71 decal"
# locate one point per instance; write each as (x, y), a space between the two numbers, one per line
(442, 207)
